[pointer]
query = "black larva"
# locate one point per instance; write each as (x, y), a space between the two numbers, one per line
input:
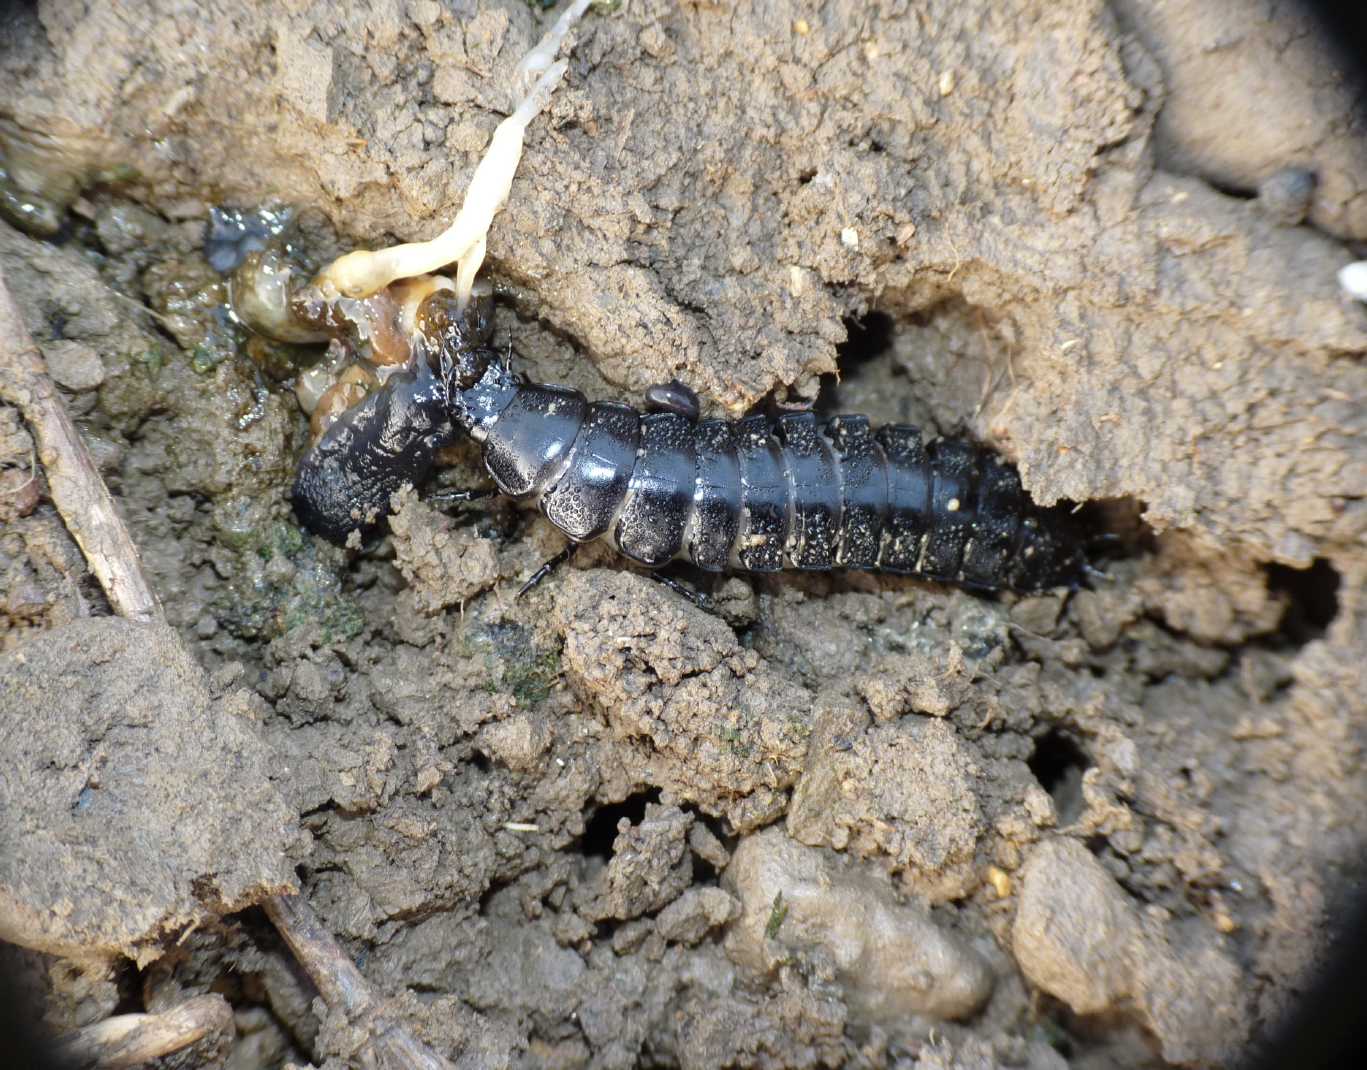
(755, 495)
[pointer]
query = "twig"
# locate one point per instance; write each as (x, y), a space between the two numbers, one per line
(132, 1039)
(343, 988)
(78, 492)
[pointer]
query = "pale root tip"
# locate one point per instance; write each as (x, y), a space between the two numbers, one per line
(355, 274)
(539, 59)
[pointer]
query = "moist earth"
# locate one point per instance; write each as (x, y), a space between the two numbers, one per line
(835, 819)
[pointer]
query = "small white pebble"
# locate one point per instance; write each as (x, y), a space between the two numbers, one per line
(947, 82)
(849, 238)
(1353, 279)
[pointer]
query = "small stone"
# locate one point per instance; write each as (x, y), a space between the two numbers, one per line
(74, 365)
(1081, 938)
(1286, 195)
(1039, 807)
(1000, 881)
(695, 913)
(1074, 928)
(893, 958)
(20, 492)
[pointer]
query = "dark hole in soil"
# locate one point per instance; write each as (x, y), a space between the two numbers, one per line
(1058, 764)
(1312, 599)
(481, 761)
(601, 830)
(1096, 844)
(1116, 528)
(1242, 193)
(866, 338)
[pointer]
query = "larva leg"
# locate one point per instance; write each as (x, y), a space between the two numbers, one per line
(446, 498)
(549, 567)
(699, 598)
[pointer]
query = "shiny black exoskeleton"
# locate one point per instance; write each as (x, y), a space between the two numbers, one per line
(756, 495)
(390, 439)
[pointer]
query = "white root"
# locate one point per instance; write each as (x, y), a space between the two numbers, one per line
(362, 273)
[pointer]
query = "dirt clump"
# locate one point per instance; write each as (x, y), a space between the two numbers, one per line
(1079, 937)
(697, 713)
(123, 814)
(1214, 60)
(913, 798)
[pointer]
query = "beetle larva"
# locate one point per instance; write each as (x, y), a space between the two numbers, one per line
(759, 494)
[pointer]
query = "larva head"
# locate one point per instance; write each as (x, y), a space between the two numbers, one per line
(454, 341)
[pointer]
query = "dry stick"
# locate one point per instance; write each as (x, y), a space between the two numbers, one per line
(88, 510)
(78, 492)
(343, 988)
(133, 1039)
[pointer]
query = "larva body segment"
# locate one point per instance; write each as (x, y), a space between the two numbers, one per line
(761, 495)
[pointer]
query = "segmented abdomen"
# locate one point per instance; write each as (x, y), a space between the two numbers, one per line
(762, 495)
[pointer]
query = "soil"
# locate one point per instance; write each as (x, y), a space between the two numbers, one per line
(843, 818)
